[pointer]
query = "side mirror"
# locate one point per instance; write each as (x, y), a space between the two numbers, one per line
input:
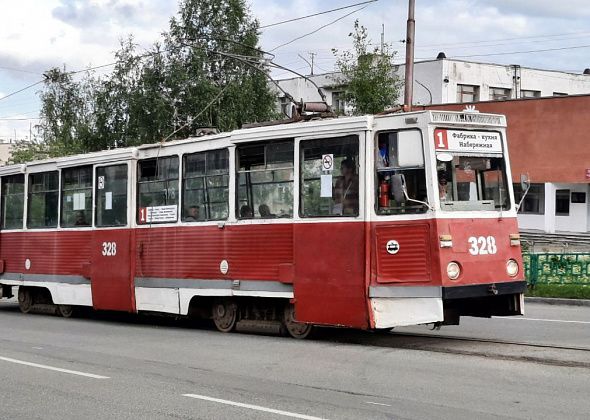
(398, 184)
(525, 182)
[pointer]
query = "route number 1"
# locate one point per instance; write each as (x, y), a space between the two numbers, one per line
(482, 245)
(109, 249)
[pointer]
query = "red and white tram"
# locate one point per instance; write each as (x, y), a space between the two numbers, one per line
(367, 222)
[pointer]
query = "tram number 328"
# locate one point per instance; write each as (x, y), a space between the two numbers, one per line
(482, 245)
(109, 249)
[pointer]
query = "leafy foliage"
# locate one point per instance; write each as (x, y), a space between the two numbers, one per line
(170, 92)
(368, 75)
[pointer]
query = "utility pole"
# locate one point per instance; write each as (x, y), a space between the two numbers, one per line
(312, 56)
(409, 82)
(382, 37)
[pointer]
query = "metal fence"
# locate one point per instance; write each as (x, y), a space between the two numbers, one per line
(571, 268)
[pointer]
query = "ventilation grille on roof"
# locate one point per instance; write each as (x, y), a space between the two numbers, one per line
(468, 118)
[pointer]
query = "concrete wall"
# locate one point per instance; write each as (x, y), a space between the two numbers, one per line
(5, 152)
(577, 221)
(486, 76)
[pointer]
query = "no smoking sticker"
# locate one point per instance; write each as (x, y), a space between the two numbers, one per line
(327, 162)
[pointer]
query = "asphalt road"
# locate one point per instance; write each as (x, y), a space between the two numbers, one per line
(127, 367)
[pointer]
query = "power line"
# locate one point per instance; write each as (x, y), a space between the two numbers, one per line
(19, 119)
(19, 70)
(316, 14)
(521, 52)
(501, 39)
(514, 44)
(318, 29)
(21, 90)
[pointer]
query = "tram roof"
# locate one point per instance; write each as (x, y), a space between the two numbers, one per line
(300, 129)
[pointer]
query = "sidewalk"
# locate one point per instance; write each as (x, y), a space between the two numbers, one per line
(558, 301)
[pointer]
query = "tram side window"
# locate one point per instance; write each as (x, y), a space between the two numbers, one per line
(330, 192)
(76, 197)
(13, 199)
(157, 187)
(205, 186)
(265, 180)
(399, 159)
(111, 196)
(43, 200)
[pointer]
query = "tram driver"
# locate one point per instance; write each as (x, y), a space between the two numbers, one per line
(346, 190)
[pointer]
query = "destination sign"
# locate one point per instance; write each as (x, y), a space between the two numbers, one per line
(467, 141)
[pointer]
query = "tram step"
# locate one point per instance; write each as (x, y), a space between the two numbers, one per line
(267, 327)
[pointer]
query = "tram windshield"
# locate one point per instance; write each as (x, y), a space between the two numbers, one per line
(472, 182)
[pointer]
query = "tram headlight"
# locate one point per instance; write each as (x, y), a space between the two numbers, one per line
(512, 267)
(453, 270)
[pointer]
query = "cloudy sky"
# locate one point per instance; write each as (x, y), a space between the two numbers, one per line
(36, 35)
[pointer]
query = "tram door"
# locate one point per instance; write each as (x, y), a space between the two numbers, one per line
(111, 276)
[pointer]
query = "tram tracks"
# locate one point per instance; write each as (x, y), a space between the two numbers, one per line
(492, 341)
(519, 351)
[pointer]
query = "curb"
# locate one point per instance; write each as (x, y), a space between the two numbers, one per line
(558, 301)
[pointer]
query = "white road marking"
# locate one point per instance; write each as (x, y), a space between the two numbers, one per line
(37, 365)
(376, 403)
(253, 407)
(544, 320)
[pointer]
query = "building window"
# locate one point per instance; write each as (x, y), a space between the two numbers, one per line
(562, 202)
(330, 192)
(43, 200)
(530, 93)
(206, 186)
(76, 197)
(111, 195)
(559, 94)
(157, 188)
(534, 201)
(13, 199)
(467, 93)
(265, 180)
(578, 197)
(338, 103)
(499, 94)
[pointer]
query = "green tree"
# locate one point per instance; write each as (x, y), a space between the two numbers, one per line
(206, 71)
(213, 46)
(368, 74)
(66, 118)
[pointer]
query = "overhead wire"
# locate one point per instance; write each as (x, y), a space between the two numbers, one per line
(318, 29)
(521, 52)
(316, 14)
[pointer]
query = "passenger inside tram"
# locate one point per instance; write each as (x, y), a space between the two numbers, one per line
(265, 213)
(81, 219)
(193, 214)
(346, 190)
(246, 212)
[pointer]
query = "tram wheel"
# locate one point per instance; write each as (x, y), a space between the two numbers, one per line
(65, 311)
(225, 315)
(293, 328)
(25, 299)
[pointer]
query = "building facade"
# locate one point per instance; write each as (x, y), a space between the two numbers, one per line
(452, 81)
